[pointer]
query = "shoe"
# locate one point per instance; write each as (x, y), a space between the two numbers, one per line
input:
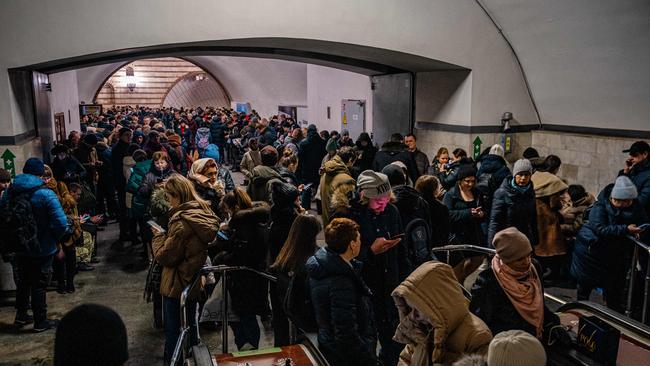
(82, 266)
(247, 347)
(60, 290)
(22, 320)
(46, 325)
(70, 289)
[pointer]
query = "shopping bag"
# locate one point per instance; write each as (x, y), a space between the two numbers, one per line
(213, 308)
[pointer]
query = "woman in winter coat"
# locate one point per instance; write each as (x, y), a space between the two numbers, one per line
(466, 215)
(429, 187)
(510, 295)
(285, 207)
(551, 250)
(290, 298)
(182, 251)
(439, 161)
(602, 252)
(246, 246)
(449, 176)
(251, 159)
(204, 176)
(341, 299)
(366, 152)
(435, 323)
(514, 204)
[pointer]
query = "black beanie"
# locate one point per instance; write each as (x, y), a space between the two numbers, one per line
(283, 194)
(465, 171)
(91, 334)
(395, 174)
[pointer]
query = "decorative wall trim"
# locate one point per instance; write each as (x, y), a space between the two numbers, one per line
(18, 139)
(609, 132)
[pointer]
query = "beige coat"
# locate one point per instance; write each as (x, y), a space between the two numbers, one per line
(335, 180)
(250, 160)
(433, 290)
(182, 251)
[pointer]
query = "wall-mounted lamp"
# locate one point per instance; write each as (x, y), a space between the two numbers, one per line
(130, 79)
(199, 77)
(505, 120)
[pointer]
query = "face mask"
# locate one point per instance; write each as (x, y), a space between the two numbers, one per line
(378, 204)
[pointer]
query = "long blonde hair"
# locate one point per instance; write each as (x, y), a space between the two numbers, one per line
(180, 187)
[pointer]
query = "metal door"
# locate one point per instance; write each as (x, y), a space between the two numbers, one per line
(353, 117)
(392, 105)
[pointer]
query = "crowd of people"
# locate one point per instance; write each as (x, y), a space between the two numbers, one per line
(165, 176)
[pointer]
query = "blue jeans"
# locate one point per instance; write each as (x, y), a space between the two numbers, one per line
(172, 321)
(246, 330)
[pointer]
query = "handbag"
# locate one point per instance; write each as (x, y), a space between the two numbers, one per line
(598, 340)
(213, 308)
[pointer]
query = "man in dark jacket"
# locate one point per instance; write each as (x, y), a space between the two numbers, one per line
(218, 130)
(311, 151)
(106, 203)
(34, 267)
(491, 173)
(411, 206)
(395, 150)
(264, 175)
(637, 168)
(421, 160)
(117, 156)
(340, 298)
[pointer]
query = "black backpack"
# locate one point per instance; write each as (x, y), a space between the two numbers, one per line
(18, 228)
(417, 238)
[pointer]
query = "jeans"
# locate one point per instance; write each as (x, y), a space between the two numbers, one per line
(246, 330)
(172, 321)
(34, 275)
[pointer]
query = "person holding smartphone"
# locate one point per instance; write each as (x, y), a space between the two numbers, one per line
(602, 252)
(637, 168)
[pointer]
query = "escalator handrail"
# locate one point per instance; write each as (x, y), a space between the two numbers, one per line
(608, 315)
(455, 248)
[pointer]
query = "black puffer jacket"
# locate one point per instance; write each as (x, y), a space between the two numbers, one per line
(511, 207)
(247, 232)
(281, 220)
(440, 224)
(395, 151)
(310, 156)
(448, 179)
(466, 228)
(411, 205)
(640, 176)
(346, 332)
(492, 305)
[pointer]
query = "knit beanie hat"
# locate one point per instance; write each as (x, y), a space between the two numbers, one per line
(624, 189)
(283, 194)
(78, 341)
(547, 184)
(522, 166)
(5, 176)
(511, 244)
(34, 166)
(395, 174)
(123, 130)
(139, 155)
(516, 348)
(497, 149)
(373, 184)
(464, 171)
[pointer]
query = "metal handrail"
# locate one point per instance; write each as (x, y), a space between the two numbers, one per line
(638, 246)
(609, 315)
(185, 329)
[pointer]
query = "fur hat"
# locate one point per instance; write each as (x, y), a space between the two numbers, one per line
(511, 244)
(497, 149)
(624, 189)
(373, 184)
(516, 348)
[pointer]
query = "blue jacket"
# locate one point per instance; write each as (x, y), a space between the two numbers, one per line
(346, 334)
(48, 213)
(601, 249)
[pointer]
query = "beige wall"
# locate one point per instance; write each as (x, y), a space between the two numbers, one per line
(589, 160)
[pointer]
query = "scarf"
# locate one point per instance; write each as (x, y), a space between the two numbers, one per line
(194, 175)
(519, 188)
(524, 290)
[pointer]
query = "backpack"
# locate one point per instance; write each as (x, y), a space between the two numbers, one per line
(296, 303)
(18, 228)
(202, 138)
(417, 239)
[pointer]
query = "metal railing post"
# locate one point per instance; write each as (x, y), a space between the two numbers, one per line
(224, 311)
(630, 290)
(645, 291)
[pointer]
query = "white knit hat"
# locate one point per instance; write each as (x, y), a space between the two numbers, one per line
(516, 348)
(497, 149)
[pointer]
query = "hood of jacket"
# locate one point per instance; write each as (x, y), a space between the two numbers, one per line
(434, 291)
(326, 263)
(491, 164)
(393, 147)
(547, 184)
(335, 166)
(266, 172)
(204, 223)
(25, 182)
(406, 196)
(256, 215)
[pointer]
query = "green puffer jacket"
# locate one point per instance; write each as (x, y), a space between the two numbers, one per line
(139, 203)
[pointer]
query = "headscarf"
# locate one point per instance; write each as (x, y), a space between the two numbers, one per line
(524, 290)
(194, 175)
